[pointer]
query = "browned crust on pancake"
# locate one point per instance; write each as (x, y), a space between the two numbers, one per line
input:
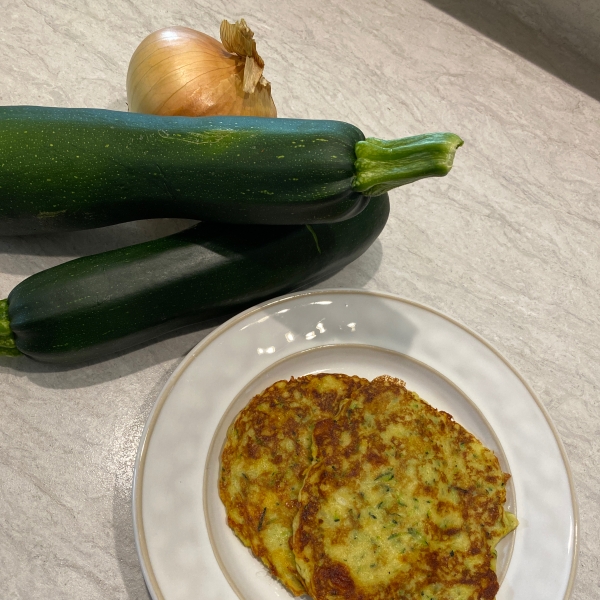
(264, 460)
(421, 537)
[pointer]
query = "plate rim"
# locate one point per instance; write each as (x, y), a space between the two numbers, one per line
(139, 465)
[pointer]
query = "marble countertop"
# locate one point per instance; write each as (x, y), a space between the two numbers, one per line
(508, 243)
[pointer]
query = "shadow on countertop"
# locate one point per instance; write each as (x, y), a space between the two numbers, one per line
(507, 30)
(129, 565)
(165, 348)
(137, 358)
(122, 506)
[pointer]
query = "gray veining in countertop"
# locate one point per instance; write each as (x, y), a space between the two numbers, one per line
(508, 243)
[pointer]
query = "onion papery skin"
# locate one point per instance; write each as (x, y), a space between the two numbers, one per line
(178, 71)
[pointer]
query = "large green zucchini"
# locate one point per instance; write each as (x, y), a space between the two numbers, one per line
(93, 306)
(66, 168)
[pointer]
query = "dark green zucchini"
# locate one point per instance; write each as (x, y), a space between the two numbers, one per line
(90, 307)
(64, 169)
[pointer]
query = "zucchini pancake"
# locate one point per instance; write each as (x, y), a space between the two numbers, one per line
(265, 456)
(401, 502)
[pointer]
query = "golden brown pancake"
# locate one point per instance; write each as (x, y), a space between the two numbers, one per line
(264, 459)
(401, 502)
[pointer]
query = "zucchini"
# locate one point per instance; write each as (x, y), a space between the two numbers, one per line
(63, 168)
(90, 307)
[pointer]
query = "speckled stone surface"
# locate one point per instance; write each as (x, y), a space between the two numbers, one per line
(508, 244)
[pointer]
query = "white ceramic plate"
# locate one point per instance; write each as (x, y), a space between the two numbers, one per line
(186, 550)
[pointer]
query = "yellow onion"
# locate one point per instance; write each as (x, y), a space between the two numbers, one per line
(180, 71)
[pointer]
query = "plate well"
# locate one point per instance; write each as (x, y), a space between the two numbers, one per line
(245, 573)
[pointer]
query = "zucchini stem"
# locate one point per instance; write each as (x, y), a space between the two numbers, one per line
(7, 337)
(382, 165)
